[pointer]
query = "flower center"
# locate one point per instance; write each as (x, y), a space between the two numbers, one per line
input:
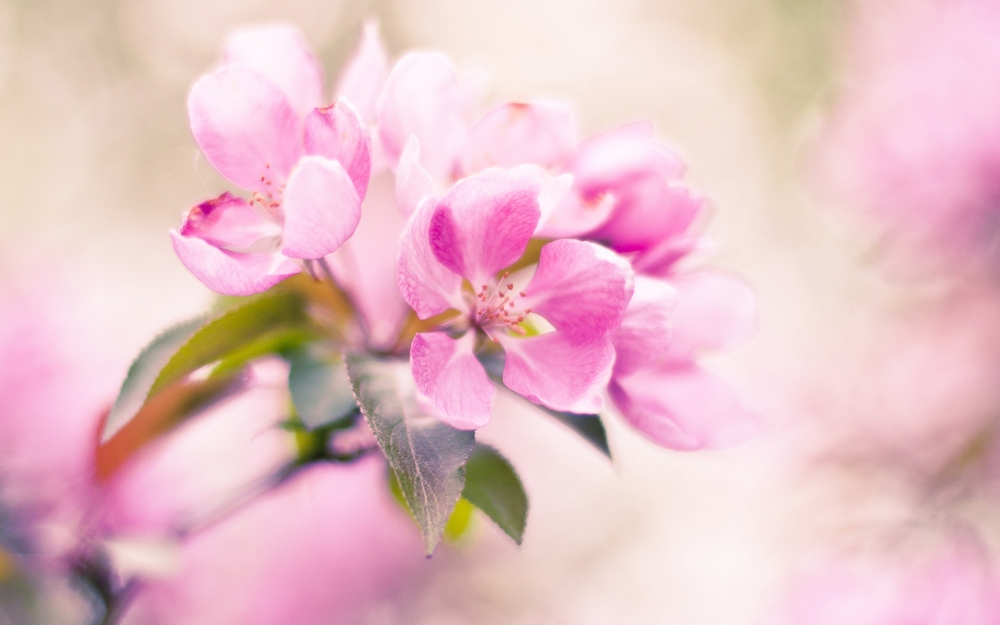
(496, 308)
(269, 200)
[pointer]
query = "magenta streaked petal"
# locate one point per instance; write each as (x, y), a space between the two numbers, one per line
(229, 222)
(322, 208)
(515, 133)
(336, 132)
(231, 273)
(484, 223)
(714, 311)
(558, 371)
(246, 127)
(364, 74)
(683, 407)
(281, 55)
(619, 157)
(447, 373)
(646, 331)
(581, 288)
(413, 183)
(649, 212)
(428, 287)
(423, 97)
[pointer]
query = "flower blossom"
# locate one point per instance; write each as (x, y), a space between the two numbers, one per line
(622, 189)
(481, 226)
(260, 122)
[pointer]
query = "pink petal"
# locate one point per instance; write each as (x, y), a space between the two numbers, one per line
(366, 265)
(428, 287)
(231, 273)
(246, 127)
(336, 132)
(447, 373)
(543, 133)
(714, 311)
(413, 183)
(484, 223)
(422, 97)
(229, 222)
(648, 212)
(682, 407)
(280, 54)
(574, 216)
(581, 288)
(364, 74)
(322, 208)
(647, 329)
(618, 157)
(558, 371)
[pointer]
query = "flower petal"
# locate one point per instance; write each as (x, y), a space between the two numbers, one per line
(648, 212)
(322, 209)
(229, 222)
(558, 371)
(646, 331)
(428, 287)
(714, 311)
(246, 127)
(618, 157)
(681, 406)
(364, 74)
(413, 183)
(231, 273)
(581, 288)
(542, 133)
(336, 132)
(447, 373)
(281, 55)
(575, 216)
(423, 97)
(484, 222)
(366, 267)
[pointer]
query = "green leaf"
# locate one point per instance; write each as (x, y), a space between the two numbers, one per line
(144, 371)
(427, 456)
(231, 331)
(589, 426)
(492, 485)
(162, 413)
(321, 389)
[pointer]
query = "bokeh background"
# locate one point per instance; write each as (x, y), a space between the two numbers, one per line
(852, 155)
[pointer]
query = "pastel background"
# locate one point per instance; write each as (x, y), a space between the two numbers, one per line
(851, 152)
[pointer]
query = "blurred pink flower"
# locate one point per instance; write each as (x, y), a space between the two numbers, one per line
(657, 384)
(476, 229)
(321, 549)
(915, 137)
(957, 588)
(307, 168)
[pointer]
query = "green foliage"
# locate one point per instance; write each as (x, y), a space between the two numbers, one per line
(492, 485)
(427, 456)
(234, 330)
(158, 394)
(143, 372)
(320, 387)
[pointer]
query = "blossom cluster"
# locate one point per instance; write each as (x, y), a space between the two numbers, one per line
(518, 241)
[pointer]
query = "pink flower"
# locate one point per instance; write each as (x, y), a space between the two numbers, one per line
(478, 228)
(306, 168)
(915, 138)
(956, 588)
(657, 384)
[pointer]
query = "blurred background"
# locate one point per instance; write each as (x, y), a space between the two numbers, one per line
(851, 152)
